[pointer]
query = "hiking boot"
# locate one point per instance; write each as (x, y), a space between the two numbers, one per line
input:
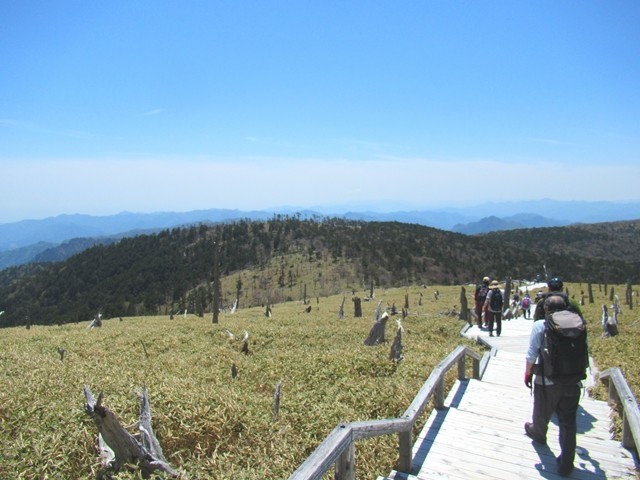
(528, 428)
(563, 470)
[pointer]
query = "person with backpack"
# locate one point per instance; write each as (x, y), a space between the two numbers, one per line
(558, 358)
(525, 305)
(479, 297)
(493, 306)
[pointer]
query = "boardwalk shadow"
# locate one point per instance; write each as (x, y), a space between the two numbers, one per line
(586, 467)
(584, 420)
(436, 425)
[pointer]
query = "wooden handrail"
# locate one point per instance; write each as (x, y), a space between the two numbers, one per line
(338, 447)
(620, 393)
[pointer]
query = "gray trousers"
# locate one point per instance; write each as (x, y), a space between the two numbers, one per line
(563, 400)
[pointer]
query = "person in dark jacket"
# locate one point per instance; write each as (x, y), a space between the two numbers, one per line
(493, 306)
(479, 297)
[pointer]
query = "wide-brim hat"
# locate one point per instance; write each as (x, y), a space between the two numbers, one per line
(494, 284)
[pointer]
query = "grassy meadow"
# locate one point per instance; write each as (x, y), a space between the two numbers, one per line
(212, 426)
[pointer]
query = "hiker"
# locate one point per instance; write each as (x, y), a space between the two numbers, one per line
(525, 305)
(554, 287)
(479, 297)
(493, 306)
(558, 372)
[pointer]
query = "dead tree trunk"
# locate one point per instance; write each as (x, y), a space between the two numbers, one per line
(341, 311)
(464, 306)
(609, 324)
(217, 290)
(629, 295)
(357, 307)
(376, 334)
(121, 446)
(590, 292)
(276, 401)
(507, 293)
(96, 322)
(396, 347)
(378, 310)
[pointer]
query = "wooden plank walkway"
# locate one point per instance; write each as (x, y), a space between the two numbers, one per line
(480, 434)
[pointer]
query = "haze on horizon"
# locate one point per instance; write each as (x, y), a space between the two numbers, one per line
(176, 106)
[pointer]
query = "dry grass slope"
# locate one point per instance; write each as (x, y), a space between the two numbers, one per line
(213, 426)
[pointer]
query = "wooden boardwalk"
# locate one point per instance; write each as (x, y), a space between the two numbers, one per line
(480, 434)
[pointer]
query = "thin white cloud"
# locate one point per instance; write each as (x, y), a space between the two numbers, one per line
(106, 186)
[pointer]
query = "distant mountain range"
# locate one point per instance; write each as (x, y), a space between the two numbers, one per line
(58, 238)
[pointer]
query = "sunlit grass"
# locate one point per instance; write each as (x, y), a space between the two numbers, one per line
(210, 425)
(213, 426)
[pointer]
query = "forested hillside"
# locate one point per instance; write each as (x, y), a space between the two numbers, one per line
(288, 258)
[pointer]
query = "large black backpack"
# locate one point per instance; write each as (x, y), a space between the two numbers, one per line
(564, 350)
(495, 303)
(482, 293)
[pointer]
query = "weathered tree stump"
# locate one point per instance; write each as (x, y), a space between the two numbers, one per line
(609, 324)
(396, 347)
(507, 293)
(96, 322)
(357, 307)
(124, 447)
(245, 343)
(464, 306)
(276, 401)
(376, 334)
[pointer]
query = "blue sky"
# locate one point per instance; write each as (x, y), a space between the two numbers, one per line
(172, 106)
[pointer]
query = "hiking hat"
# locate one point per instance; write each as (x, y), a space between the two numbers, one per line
(555, 284)
(485, 280)
(494, 284)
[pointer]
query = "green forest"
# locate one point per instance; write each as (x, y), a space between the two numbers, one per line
(288, 258)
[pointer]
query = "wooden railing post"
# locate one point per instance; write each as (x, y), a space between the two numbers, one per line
(438, 399)
(338, 448)
(627, 434)
(620, 393)
(476, 369)
(405, 447)
(613, 393)
(462, 367)
(346, 464)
